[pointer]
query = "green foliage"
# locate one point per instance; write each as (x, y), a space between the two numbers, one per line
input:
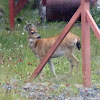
(96, 15)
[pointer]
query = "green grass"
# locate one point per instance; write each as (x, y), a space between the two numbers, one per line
(15, 54)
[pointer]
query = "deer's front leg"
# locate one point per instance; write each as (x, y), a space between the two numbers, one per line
(41, 73)
(52, 68)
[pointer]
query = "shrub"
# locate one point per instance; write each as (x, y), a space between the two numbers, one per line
(96, 15)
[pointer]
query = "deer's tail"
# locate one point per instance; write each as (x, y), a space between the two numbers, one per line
(78, 44)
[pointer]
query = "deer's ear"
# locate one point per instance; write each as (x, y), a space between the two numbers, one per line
(37, 22)
(26, 28)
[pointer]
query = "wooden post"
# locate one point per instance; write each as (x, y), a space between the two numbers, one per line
(14, 10)
(12, 13)
(19, 6)
(85, 29)
(44, 2)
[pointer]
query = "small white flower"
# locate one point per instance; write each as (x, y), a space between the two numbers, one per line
(15, 43)
(2, 66)
(23, 33)
(15, 76)
(10, 58)
(21, 46)
(18, 24)
(8, 31)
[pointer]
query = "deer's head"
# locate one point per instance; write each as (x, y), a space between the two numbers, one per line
(32, 31)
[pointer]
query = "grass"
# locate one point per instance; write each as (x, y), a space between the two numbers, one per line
(18, 62)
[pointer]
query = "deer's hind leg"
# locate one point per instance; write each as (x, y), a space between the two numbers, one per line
(71, 59)
(75, 60)
(71, 67)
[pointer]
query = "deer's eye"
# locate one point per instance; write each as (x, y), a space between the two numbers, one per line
(32, 32)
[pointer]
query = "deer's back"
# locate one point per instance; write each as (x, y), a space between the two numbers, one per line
(43, 45)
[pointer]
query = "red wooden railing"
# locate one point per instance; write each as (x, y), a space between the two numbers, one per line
(14, 10)
(86, 22)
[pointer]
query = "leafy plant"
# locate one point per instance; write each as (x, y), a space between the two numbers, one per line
(96, 15)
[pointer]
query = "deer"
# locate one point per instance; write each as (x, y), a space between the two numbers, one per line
(40, 47)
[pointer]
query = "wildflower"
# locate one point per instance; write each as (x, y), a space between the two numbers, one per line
(67, 93)
(67, 85)
(21, 46)
(6, 76)
(9, 58)
(46, 89)
(15, 43)
(18, 24)
(30, 97)
(20, 60)
(23, 33)
(29, 63)
(15, 91)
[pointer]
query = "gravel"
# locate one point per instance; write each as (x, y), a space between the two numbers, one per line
(43, 91)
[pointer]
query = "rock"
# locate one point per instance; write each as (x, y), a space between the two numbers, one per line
(88, 92)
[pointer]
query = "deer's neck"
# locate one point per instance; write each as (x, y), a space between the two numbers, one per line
(32, 43)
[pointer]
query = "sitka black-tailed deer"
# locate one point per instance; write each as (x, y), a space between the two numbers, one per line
(40, 46)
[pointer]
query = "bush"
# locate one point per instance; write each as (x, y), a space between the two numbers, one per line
(96, 15)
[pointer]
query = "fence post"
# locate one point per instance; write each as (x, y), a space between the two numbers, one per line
(12, 13)
(44, 2)
(85, 29)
